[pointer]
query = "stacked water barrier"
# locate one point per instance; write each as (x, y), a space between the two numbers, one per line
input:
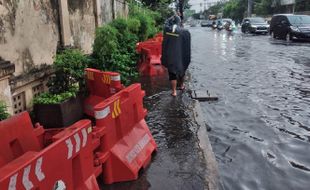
(116, 146)
(150, 52)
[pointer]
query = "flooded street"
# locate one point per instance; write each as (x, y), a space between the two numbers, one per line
(260, 125)
(179, 163)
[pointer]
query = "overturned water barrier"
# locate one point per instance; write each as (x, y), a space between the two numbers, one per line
(117, 147)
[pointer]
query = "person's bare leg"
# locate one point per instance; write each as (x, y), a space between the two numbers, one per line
(181, 81)
(174, 87)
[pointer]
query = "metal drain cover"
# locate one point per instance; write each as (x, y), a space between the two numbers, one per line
(203, 95)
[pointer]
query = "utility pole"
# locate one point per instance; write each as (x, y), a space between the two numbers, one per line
(250, 8)
(204, 5)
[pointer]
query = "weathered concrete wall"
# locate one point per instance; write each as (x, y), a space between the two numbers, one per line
(6, 70)
(28, 32)
(121, 8)
(82, 23)
(32, 30)
(106, 13)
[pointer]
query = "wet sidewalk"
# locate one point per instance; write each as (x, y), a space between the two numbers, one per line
(180, 163)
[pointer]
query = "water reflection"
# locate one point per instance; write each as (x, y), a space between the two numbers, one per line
(260, 126)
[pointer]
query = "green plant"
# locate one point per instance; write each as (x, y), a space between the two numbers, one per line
(69, 69)
(68, 78)
(133, 25)
(105, 45)
(114, 46)
(3, 111)
(49, 98)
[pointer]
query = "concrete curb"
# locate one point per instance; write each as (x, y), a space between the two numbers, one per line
(212, 176)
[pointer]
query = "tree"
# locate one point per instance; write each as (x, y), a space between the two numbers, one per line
(302, 5)
(235, 9)
(215, 9)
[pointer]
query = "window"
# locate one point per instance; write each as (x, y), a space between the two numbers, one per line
(19, 103)
(37, 90)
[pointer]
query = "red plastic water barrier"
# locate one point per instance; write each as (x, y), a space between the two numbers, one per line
(26, 163)
(101, 85)
(126, 142)
(158, 38)
(150, 51)
(150, 63)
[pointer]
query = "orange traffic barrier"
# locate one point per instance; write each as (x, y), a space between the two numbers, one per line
(127, 144)
(101, 85)
(27, 163)
(150, 52)
(158, 39)
(117, 148)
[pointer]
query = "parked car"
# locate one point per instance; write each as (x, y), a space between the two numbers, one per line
(203, 23)
(206, 23)
(254, 25)
(289, 26)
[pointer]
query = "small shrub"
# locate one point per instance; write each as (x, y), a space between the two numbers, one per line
(105, 45)
(117, 51)
(133, 25)
(68, 78)
(115, 43)
(3, 111)
(69, 69)
(49, 98)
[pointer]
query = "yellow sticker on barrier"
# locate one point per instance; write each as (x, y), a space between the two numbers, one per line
(117, 109)
(90, 75)
(106, 79)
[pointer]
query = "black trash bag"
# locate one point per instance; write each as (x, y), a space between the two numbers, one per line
(176, 51)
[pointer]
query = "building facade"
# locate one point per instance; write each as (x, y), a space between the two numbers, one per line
(32, 31)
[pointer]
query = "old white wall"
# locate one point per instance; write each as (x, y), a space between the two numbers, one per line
(28, 33)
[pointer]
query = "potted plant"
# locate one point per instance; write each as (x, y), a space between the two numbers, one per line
(62, 105)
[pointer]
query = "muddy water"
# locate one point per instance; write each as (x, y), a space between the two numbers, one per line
(261, 124)
(178, 164)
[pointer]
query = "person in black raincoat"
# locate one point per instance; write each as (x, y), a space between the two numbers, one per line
(176, 52)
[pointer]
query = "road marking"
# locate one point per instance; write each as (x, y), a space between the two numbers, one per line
(103, 113)
(78, 143)
(70, 148)
(13, 180)
(138, 148)
(26, 182)
(84, 133)
(38, 169)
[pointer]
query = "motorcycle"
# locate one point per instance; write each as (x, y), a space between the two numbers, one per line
(214, 26)
(230, 27)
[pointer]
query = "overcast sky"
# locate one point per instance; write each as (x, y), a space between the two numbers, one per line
(196, 5)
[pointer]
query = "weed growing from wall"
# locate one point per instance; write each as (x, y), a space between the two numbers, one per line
(3, 111)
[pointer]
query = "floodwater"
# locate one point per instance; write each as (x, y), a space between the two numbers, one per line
(179, 162)
(260, 127)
